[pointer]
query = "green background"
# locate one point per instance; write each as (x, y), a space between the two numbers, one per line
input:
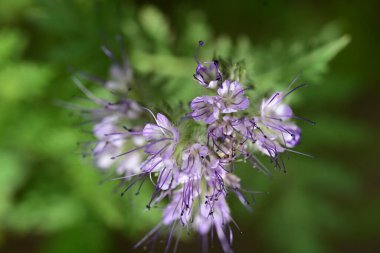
(50, 197)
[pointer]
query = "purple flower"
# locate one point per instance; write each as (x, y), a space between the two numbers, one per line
(273, 108)
(189, 180)
(110, 143)
(207, 73)
(269, 146)
(125, 108)
(109, 117)
(107, 145)
(162, 137)
(291, 134)
(202, 209)
(275, 116)
(215, 216)
(176, 210)
(192, 162)
(194, 172)
(106, 126)
(161, 140)
(165, 169)
(206, 108)
(129, 166)
(232, 94)
(120, 77)
(221, 136)
(246, 127)
(102, 153)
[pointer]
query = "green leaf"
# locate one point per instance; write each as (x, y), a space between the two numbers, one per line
(44, 212)
(12, 176)
(154, 23)
(12, 43)
(23, 81)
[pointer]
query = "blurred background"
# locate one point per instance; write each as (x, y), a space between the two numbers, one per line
(50, 196)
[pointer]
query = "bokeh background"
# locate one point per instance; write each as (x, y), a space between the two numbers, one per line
(50, 196)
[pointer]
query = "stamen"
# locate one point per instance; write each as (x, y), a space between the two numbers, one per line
(242, 91)
(141, 176)
(294, 89)
(177, 241)
(92, 78)
(88, 93)
(108, 53)
(293, 81)
(135, 149)
(174, 227)
(200, 43)
(300, 153)
(305, 119)
(151, 113)
(278, 93)
(260, 165)
(152, 232)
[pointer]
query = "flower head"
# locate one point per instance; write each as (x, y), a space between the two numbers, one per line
(191, 162)
(120, 74)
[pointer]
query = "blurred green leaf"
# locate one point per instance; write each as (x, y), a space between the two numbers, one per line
(44, 212)
(12, 44)
(93, 238)
(12, 176)
(10, 10)
(154, 23)
(25, 80)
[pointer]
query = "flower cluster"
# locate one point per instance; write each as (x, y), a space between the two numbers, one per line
(192, 170)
